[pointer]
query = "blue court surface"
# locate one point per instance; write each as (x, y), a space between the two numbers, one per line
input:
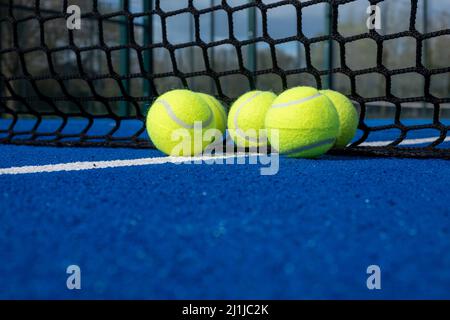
(149, 229)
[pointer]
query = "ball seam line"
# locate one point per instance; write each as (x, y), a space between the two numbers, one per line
(180, 122)
(238, 131)
(222, 112)
(310, 146)
(291, 103)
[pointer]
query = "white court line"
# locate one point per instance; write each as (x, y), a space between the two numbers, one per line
(404, 142)
(92, 165)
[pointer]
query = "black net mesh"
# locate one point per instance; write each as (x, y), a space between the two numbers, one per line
(93, 86)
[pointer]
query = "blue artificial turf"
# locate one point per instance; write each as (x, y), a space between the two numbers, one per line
(224, 231)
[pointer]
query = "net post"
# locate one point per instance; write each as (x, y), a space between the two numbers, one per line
(124, 56)
(425, 47)
(191, 48)
(2, 85)
(384, 18)
(22, 33)
(328, 63)
(251, 53)
(212, 32)
(425, 31)
(147, 6)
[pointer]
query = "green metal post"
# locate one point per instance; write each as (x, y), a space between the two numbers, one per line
(384, 18)
(148, 40)
(191, 49)
(328, 63)
(425, 30)
(251, 53)
(2, 85)
(212, 33)
(124, 57)
(299, 45)
(22, 33)
(426, 62)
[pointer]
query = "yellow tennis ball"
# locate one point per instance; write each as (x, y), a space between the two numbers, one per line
(246, 118)
(220, 115)
(348, 117)
(172, 119)
(304, 121)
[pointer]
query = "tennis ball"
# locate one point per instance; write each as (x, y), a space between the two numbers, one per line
(348, 117)
(219, 113)
(246, 118)
(174, 110)
(306, 121)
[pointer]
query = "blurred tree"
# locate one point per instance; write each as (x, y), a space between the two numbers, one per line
(361, 54)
